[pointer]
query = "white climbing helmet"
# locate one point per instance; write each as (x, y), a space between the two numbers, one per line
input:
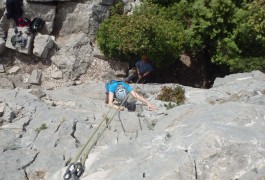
(120, 93)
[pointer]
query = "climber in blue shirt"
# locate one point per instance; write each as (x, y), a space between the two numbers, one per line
(119, 90)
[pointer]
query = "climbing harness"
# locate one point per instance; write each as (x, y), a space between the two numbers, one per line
(75, 169)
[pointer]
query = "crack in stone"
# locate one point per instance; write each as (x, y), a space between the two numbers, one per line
(26, 124)
(77, 142)
(57, 128)
(195, 169)
(29, 163)
(31, 144)
(56, 143)
(26, 174)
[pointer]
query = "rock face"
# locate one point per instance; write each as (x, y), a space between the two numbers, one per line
(217, 134)
(45, 11)
(75, 56)
(70, 48)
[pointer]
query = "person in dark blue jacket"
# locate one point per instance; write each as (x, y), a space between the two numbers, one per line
(14, 9)
(120, 90)
(144, 70)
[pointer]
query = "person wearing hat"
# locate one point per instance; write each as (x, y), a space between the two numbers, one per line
(119, 90)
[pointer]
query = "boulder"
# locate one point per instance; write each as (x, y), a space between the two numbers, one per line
(185, 59)
(20, 40)
(35, 77)
(13, 70)
(42, 45)
(45, 11)
(6, 84)
(75, 17)
(75, 56)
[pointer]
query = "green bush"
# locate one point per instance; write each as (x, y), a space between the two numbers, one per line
(172, 95)
(146, 31)
(222, 32)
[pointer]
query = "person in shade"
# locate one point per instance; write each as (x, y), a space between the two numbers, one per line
(14, 9)
(143, 71)
(119, 91)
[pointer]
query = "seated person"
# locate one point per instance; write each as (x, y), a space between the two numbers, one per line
(120, 90)
(143, 71)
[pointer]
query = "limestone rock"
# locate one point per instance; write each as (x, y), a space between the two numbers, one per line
(6, 84)
(57, 74)
(45, 11)
(13, 70)
(42, 45)
(35, 77)
(23, 40)
(75, 17)
(9, 115)
(2, 68)
(222, 139)
(185, 60)
(74, 58)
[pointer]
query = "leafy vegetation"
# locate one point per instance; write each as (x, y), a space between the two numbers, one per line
(223, 32)
(173, 95)
(42, 127)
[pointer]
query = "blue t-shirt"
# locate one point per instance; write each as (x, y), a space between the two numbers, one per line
(144, 67)
(111, 87)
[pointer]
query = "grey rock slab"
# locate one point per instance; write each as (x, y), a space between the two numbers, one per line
(74, 58)
(57, 74)
(156, 161)
(9, 114)
(2, 68)
(27, 49)
(35, 77)
(13, 161)
(196, 140)
(38, 92)
(13, 70)
(239, 79)
(45, 11)
(6, 84)
(8, 140)
(72, 17)
(42, 45)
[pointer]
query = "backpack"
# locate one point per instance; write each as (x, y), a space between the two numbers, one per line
(22, 22)
(36, 24)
